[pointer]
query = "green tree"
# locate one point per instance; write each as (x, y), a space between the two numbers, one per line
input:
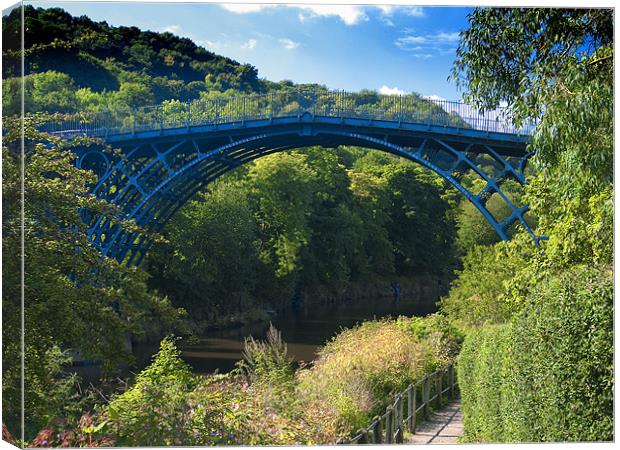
(554, 66)
(133, 95)
(282, 188)
(209, 263)
(70, 292)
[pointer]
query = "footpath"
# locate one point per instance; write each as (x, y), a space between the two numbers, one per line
(443, 427)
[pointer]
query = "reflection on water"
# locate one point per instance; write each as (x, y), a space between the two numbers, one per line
(303, 329)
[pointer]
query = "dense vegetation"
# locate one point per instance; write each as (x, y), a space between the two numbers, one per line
(265, 401)
(537, 360)
(72, 297)
(72, 62)
(308, 225)
(547, 374)
(537, 363)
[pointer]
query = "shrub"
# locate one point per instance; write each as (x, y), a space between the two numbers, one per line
(268, 360)
(154, 411)
(548, 374)
(168, 405)
(477, 296)
(359, 371)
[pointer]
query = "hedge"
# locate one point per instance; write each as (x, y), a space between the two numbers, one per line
(547, 375)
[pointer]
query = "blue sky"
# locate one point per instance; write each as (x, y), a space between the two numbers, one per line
(387, 48)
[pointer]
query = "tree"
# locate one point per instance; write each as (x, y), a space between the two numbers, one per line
(209, 263)
(554, 66)
(558, 71)
(72, 295)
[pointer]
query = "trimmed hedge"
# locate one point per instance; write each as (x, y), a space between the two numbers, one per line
(547, 375)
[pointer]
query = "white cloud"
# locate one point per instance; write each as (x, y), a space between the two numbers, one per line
(389, 10)
(448, 37)
(439, 38)
(288, 43)
(407, 41)
(243, 8)
(428, 45)
(414, 11)
(174, 29)
(433, 97)
(206, 43)
(385, 90)
(250, 44)
(349, 14)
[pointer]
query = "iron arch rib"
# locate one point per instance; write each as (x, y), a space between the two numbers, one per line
(169, 173)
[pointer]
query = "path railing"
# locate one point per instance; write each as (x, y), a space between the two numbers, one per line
(239, 109)
(402, 413)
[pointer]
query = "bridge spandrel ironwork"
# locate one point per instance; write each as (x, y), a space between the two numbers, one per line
(171, 151)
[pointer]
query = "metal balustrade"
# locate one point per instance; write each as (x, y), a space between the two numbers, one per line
(239, 109)
(403, 412)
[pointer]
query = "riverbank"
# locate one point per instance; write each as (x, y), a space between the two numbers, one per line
(425, 289)
(304, 327)
(269, 401)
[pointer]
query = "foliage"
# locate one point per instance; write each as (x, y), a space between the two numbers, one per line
(308, 221)
(520, 55)
(153, 411)
(267, 360)
(70, 290)
(363, 367)
(81, 48)
(547, 375)
(86, 433)
(478, 295)
(168, 405)
(208, 261)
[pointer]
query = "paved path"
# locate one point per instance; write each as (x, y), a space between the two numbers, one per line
(443, 427)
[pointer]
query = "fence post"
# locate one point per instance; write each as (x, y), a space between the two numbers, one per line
(411, 407)
(426, 395)
(189, 114)
(271, 107)
(364, 439)
(389, 428)
(377, 438)
(399, 419)
(315, 102)
(451, 381)
(439, 388)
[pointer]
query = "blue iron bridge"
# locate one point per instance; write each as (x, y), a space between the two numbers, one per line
(171, 151)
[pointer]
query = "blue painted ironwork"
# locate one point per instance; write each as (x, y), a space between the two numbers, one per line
(171, 151)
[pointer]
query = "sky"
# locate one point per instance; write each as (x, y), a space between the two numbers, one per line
(392, 49)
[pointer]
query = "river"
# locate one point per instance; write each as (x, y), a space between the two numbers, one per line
(304, 330)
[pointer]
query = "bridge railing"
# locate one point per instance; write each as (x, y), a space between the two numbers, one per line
(431, 391)
(220, 110)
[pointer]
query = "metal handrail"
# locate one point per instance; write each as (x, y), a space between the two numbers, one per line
(240, 109)
(402, 415)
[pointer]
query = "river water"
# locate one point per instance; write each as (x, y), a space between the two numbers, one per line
(304, 330)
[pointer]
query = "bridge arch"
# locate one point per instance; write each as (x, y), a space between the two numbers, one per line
(158, 173)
